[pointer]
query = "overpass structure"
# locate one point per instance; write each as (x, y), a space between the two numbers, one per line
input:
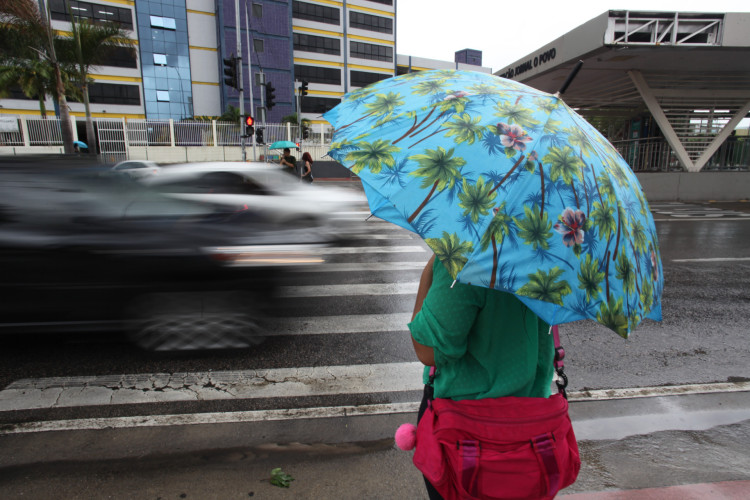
(689, 71)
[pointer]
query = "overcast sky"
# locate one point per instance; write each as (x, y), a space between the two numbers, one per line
(506, 31)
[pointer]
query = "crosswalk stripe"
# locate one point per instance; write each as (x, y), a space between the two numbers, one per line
(352, 323)
(714, 259)
(349, 290)
(58, 392)
(356, 250)
(363, 267)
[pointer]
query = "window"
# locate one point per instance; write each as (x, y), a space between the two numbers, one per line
(365, 78)
(121, 57)
(370, 51)
(320, 44)
(258, 45)
(370, 23)
(314, 12)
(257, 10)
(318, 74)
(384, 2)
(114, 93)
(162, 95)
(166, 23)
(318, 104)
(160, 59)
(97, 13)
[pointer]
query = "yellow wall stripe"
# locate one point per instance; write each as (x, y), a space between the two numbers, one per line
(330, 2)
(369, 39)
(117, 78)
(374, 11)
(201, 12)
(51, 113)
(121, 2)
(372, 68)
(325, 92)
(114, 116)
(297, 29)
(321, 63)
(204, 83)
(212, 49)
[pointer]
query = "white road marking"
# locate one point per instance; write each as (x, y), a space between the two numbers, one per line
(714, 259)
(352, 323)
(363, 266)
(59, 392)
(590, 429)
(350, 290)
(362, 250)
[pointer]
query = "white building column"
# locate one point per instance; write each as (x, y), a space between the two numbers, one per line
(662, 120)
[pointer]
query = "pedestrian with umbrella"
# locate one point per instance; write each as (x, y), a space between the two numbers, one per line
(534, 220)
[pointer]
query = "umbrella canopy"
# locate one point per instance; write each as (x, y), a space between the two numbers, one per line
(80, 144)
(282, 145)
(510, 188)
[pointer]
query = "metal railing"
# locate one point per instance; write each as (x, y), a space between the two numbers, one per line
(655, 155)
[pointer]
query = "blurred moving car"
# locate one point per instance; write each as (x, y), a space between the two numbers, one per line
(85, 253)
(136, 169)
(263, 187)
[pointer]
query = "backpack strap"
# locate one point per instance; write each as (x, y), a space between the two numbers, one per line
(544, 447)
(562, 380)
(469, 451)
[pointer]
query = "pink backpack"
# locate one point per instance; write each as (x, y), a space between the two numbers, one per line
(501, 448)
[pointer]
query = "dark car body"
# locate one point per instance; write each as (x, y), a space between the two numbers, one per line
(83, 253)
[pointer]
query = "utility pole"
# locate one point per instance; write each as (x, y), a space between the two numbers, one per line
(239, 74)
(250, 77)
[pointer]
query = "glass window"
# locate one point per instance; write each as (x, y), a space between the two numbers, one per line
(160, 59)
(97, 13)
(162, 95)
(258, 45)
(371, 51)
(365, 78)
(318, 104)
(371, 23)
(320, 44)
(318, 74)
(113, 93)
(166, 23)
(257, 10)
(384, 2)
(315, 12)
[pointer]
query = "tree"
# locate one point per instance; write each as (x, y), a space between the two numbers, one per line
(86, 49)
(22, 20)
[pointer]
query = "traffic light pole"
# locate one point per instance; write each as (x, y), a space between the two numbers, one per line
(239, 75)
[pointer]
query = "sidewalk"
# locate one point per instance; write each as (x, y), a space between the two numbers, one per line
(688, 447)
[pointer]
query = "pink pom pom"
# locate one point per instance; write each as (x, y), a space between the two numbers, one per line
(406, 436)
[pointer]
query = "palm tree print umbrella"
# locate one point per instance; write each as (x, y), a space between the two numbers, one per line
(510, 188)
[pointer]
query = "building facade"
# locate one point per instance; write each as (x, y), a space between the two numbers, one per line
(173, 66)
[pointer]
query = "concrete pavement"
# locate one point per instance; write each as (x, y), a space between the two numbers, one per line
(674, 446)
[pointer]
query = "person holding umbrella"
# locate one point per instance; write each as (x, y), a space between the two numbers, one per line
(289, 161)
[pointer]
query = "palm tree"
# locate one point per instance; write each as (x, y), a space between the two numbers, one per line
(32, 75)
(372, 156)
(564, 163)
(438, 168)
(476, 199)
(498, 229)
(23, 20)
(546, 287)
(88, 48)
(603, 217)
(465, 128)
(626, 274)
(383, 105)
(451, 251)
(590, 278)
(514, 113)
(536, 228)
(611, 315)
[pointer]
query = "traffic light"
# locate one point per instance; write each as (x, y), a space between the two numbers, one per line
(249, 129)
(259, 136)
(305, 131)
(270, 96)
(230, 72)
(303, 88)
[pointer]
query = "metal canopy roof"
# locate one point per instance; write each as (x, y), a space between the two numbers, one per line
(690, 70)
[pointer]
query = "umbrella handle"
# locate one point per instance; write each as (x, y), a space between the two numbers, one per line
(570, 78)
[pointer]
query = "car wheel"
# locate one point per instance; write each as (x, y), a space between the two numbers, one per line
(181, 321)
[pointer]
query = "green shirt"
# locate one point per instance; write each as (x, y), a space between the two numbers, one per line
(487, 343)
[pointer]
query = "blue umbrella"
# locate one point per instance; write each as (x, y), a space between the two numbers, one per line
(282, 145)
(81, 145)
(510, 188)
